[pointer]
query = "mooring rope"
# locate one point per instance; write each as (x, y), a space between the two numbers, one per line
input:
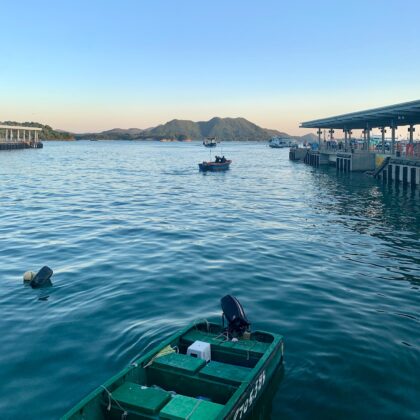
(110, 399)
(165, 351)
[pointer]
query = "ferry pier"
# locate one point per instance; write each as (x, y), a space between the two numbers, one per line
(390, 160)
(19, 137)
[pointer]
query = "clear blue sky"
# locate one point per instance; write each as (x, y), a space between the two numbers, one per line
(94, 65)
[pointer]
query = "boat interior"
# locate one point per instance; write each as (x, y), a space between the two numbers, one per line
(171, 384)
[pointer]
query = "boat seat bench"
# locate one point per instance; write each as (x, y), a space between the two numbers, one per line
(220, 372)
(223, 372)
(179, 362)
(241, 345)
(181, 408)
(181, 373)
(148, 401)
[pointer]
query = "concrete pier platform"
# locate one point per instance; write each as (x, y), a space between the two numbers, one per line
(406, 171)
(297, 153)
(344, 161)
(20, 145)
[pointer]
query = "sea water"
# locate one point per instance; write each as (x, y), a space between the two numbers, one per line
(142, 243)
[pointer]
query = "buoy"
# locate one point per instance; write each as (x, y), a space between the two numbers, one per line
(42, 278)
(28, 276)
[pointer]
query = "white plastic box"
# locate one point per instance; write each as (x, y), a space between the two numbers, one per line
(200, 350)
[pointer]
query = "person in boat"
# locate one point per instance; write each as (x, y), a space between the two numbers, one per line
(217, 159)
(223, 159)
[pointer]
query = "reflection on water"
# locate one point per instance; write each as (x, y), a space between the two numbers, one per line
(141, 243)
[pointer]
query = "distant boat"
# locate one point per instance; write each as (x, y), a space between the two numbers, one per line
(168, 140)
(220, 164)
(278, 142)
(210, 142)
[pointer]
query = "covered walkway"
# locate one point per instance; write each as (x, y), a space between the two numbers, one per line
(393, 116)
(19, 137)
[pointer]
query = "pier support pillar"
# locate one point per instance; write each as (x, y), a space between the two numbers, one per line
(411, 130)
(319, 132)
(368, 138)
(383, 131)
(345, 138)
(393, 139)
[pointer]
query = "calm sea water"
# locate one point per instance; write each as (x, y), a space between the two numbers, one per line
(141, 243)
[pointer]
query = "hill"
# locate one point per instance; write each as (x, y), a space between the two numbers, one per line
(309, 138)
(222, 128)
(47, 132)
(113, 134)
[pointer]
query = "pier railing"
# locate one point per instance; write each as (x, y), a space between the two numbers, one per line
(408, 150)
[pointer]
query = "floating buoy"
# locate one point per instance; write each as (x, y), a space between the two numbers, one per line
(28, 276)
(42, 278)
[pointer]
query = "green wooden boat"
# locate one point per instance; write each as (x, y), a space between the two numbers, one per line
(168, 383)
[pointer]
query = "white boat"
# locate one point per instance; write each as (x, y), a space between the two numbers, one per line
(278, 142)
(210, 142)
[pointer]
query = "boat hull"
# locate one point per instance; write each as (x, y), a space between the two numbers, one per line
(255, 390)
(274, 146)
(214, 167)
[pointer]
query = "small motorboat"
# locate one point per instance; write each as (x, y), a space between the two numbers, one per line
(214, 166)
(204, 371)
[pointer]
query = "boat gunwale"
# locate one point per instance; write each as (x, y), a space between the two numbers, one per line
(235, 400)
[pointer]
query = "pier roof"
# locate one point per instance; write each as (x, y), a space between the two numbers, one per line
(19, 127)
(406, 113)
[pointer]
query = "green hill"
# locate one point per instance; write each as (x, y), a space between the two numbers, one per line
(175, 129)
(113, 134)
(221, 128)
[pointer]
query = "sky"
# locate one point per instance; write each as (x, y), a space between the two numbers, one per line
(93, 65)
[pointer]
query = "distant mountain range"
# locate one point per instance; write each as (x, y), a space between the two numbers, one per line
(225, 129)
(222, 128)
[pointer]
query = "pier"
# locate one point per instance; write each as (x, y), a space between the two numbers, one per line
(19, 137)
(391, 160)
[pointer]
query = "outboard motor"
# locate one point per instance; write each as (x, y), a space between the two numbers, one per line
(235, 316)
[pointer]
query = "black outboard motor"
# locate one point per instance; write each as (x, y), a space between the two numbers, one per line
(42, 278)
(235, 316)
